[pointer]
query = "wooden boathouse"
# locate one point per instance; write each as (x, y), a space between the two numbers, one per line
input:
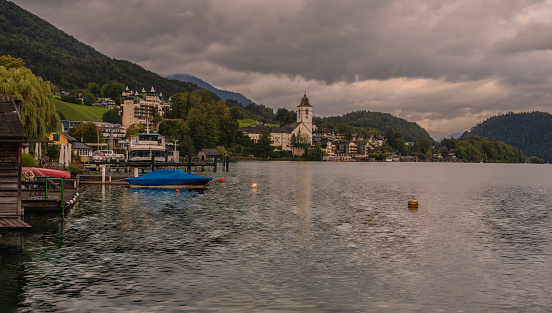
(12, 138)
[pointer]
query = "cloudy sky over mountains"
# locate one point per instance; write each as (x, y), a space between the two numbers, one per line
(446, 65)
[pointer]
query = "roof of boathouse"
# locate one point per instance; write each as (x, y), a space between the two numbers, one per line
(10, 121)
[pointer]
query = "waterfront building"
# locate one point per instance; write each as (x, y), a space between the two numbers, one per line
(143, 146)
(139, 108)
(113, 134)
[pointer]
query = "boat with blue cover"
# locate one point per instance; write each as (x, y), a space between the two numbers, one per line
(169, 179)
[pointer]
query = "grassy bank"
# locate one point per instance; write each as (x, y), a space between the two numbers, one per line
(80, 112)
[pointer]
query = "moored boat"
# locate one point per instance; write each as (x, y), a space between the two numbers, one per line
(44, 172)
(169, 179)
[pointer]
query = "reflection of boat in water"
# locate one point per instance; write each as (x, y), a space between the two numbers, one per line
(44, 172)
(169, 179)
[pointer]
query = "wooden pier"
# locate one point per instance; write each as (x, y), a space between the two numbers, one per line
(12, 137)
(35, 197)
(128, 166)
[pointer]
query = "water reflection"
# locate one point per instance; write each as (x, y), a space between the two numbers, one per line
(313, 237)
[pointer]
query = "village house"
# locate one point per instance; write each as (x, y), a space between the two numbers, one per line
(208, 154)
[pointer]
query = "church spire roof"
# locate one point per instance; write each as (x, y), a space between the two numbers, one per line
(305, 101)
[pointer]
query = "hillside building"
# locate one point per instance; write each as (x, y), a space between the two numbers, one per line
(140, 108)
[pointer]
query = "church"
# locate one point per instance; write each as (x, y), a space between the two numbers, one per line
(282, 136)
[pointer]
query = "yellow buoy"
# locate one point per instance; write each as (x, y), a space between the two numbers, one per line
(412, 204)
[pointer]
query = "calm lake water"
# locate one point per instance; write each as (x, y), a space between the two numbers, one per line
(314, 237)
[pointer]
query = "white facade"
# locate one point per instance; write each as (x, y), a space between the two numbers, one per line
(281, 136)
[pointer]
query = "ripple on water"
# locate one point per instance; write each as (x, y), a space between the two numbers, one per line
(313, 237)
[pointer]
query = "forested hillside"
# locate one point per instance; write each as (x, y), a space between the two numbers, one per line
(378, 121)
(531, 132)
(67, 63)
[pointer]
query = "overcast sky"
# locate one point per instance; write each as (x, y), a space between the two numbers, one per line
(445, 65)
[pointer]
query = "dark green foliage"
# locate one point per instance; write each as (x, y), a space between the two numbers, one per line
(112, 116)
(530, 132)
(113, 91)
(263, 148)
(52, 152)
(284, 116)
(201, 123)
(375, 120)
(75, 169)
(255, 110)
(480, 149)
(86, 132)
(314, 153)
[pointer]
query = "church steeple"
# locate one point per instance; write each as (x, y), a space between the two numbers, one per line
(304, 112)
(305, 101)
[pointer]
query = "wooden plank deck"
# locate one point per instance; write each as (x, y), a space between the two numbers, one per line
(53, 203)
(13, 226)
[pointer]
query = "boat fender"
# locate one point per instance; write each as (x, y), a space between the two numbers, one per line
(254, 186)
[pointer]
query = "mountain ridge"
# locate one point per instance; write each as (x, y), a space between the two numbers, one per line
(223, 94)
(531, 132)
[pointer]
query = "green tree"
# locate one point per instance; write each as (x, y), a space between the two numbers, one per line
(236, 113)
(8, 61)
(113, 91)
(112, 116)
(180, 105)
(314, 154)
(95, 89)
(38, 111)
(86, 132)
(89, 98)
(133, 130)
(263, 148)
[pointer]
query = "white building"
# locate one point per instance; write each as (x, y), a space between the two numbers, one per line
(281, 136)
(139, 108)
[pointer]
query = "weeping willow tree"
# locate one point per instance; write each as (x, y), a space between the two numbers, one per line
(38, 111)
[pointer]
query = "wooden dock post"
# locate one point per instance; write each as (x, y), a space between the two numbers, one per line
(103, 174)
(215, 165)
(152, 162)
(227, 162)
(189, 164)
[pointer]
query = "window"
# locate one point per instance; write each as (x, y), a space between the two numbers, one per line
(56, 137)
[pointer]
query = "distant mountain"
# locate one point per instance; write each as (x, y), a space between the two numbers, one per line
(224, 94)
(531, 132)
(67, 63)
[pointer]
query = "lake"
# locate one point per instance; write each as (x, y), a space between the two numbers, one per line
(314, 237)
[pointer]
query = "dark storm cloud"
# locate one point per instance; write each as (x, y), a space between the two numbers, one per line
(444, 64)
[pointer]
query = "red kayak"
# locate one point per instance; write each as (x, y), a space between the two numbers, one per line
(45, 172)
